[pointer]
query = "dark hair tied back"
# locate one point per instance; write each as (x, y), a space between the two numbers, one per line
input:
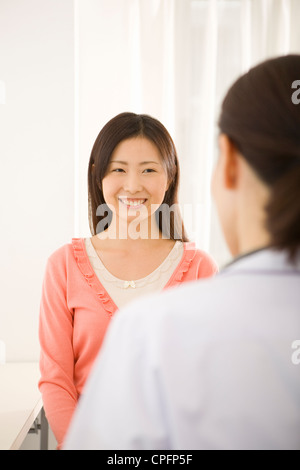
(263, 121)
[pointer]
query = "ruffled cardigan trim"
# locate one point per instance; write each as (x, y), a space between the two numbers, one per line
(91, 278)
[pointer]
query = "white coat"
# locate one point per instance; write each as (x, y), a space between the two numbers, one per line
(213, 364)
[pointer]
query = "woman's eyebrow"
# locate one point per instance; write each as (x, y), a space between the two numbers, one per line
(142, 163)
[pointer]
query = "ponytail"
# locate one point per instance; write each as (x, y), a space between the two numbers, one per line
(283, 213)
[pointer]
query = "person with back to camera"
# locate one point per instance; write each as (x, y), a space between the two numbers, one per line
(210, 365)
(138, 246)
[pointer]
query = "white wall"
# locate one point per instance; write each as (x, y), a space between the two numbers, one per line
(36, 156)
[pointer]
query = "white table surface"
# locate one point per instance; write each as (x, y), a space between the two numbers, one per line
(20, 402)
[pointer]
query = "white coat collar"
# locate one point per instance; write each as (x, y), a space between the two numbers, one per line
(265, 260)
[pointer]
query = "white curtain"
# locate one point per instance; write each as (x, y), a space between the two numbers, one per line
(173, 59)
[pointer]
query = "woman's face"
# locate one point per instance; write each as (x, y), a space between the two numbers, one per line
(136, 180)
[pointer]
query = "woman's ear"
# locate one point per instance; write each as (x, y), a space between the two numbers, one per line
(230, 163)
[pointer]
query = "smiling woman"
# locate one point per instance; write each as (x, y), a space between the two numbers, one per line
(126, 143)
(135, 184)
(136, 248)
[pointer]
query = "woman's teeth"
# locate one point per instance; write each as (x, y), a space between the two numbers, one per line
(133, 203)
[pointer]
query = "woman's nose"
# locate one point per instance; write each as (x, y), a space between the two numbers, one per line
(132, 184)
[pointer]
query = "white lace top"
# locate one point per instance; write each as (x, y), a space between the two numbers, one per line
(122, 292)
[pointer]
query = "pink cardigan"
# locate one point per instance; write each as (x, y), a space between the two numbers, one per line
(74, 314)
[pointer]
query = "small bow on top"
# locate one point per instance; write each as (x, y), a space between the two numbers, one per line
(129, 284)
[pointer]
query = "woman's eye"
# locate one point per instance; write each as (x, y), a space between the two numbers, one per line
(149, 170)
(118, 170)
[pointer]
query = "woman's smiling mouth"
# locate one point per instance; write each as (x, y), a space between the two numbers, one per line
(132, 202)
